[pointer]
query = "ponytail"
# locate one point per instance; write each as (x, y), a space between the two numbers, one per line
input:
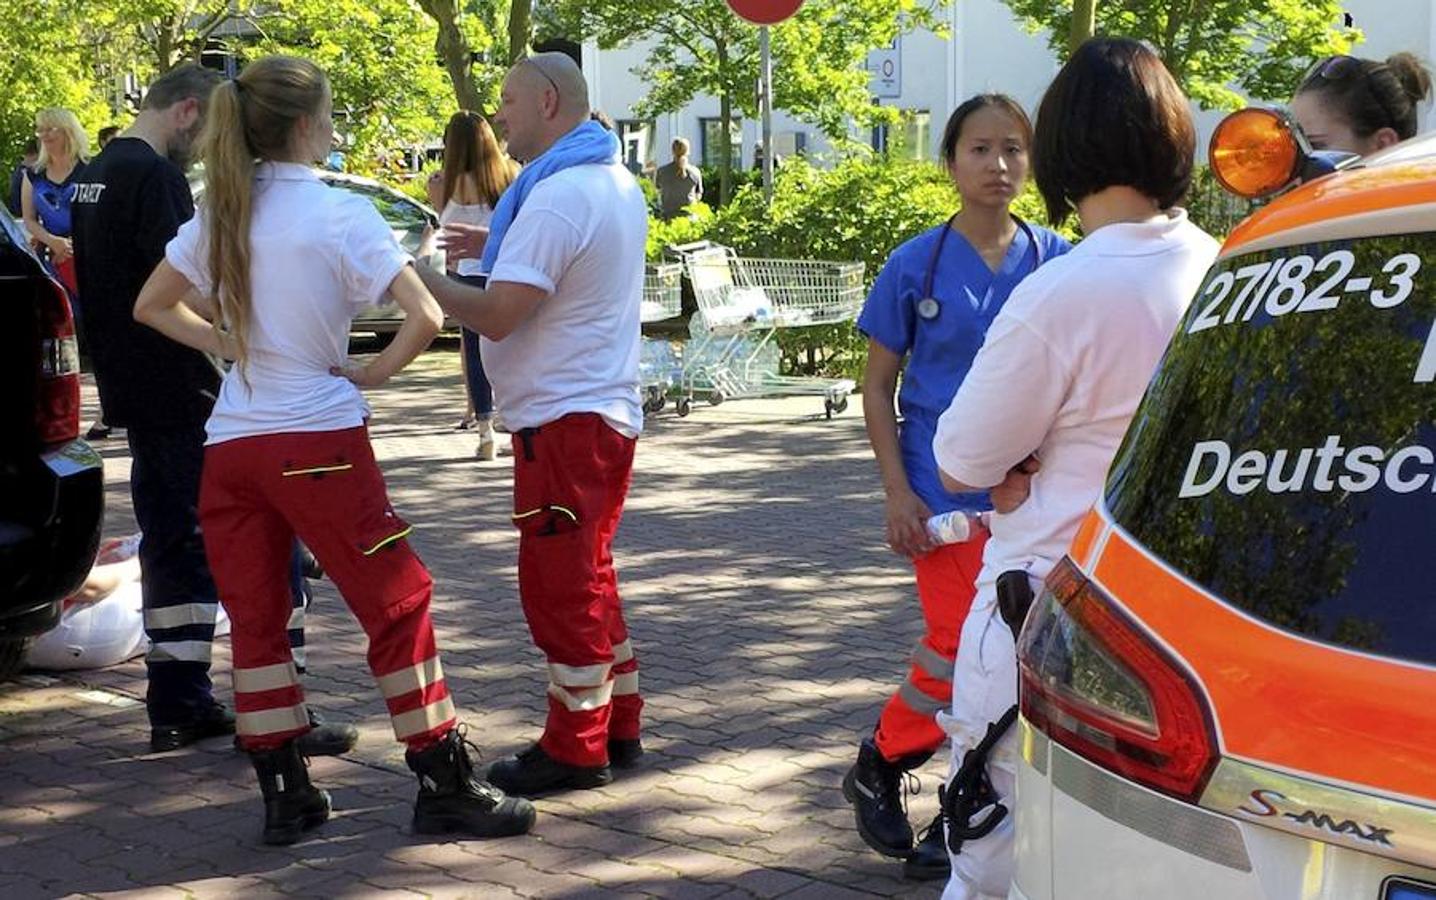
(251, 119)
(229, 199)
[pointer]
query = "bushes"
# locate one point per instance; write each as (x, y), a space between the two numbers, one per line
(859, 210)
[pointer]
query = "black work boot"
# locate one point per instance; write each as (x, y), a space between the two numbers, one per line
(624, 753)
(929, 860)
(452, 799)
(533, 773)
(327, 738)
(212, 721)
(874, 787)
(291, 804)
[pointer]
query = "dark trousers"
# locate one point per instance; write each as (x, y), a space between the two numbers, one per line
(481, 394)
(180, 598)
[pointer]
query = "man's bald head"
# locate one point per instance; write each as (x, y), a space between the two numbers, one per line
(545, 96)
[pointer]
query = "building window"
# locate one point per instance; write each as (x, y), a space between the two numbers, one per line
(910, 138)
(636, 138)
(712, 149)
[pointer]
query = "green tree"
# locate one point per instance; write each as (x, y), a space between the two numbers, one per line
(701, 47)
(43, 63)
(1258, 46)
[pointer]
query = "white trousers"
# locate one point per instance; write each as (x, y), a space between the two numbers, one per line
(984, 686)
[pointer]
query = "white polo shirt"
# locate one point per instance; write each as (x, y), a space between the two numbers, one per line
(580, 237)
(318, 256)
(1060, 374)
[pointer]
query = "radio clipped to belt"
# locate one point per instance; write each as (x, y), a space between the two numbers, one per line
(970, 807)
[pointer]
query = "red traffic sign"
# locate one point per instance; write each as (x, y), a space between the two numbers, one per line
(764, 12)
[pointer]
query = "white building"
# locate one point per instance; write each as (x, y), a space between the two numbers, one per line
(989, 50)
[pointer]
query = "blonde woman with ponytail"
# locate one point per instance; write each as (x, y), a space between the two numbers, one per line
(282, 263)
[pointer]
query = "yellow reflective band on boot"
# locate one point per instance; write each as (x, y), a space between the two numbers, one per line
(271, 721)
(585, 699)
(316, 470)
(932, 662)
(625, 684)
(622, 652)
(389, 540)
(919, 702)
(418, 721)
(414, 678)
(265, 678)
(578, 676)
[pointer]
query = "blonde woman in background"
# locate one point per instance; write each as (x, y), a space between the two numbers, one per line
(475, 173)
(287, 449)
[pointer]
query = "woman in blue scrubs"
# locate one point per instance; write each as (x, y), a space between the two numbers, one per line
(925, 319)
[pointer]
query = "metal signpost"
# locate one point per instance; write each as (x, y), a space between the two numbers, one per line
(764, 13)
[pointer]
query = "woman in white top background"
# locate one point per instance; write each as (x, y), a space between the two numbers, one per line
(281, 263)
(465, 191)
(1043, 409)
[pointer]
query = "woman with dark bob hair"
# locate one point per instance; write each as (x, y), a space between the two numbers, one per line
(1043, 408)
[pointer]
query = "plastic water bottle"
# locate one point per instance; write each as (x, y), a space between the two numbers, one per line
(950, 527)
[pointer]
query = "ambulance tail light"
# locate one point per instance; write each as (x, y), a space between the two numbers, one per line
(1095, 683)
(57, 406)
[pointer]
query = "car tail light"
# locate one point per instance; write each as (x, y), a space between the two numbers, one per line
(57, 406)
(1098, 685)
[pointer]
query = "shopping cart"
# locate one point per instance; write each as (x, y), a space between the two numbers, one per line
(658, 368)
(742, 302)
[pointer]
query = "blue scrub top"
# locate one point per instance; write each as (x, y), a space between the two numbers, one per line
(940, 350)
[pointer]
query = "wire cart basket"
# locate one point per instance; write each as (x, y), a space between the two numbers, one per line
(658, 368)
(742, 303)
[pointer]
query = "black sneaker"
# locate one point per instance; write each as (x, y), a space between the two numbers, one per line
(929, 860)
(213, 722)
(624, 753)
(874, 787)
(533, 773)
(452, 799)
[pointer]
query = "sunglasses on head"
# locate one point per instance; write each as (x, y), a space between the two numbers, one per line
(1333, 68)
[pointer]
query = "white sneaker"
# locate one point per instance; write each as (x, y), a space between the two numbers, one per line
(488, 448)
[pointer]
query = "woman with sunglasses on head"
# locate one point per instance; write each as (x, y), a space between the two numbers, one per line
(1057, 380)
(282, 263)
(925, 319)
(465, 191)
(1361, 105)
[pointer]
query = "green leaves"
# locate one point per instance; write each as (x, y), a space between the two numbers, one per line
(1259, 47)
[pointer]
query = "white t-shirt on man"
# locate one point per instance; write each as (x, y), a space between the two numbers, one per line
(579, 236)
(1060, 374)
(318, 256)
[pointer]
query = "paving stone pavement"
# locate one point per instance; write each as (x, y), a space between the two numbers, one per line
(770, 623)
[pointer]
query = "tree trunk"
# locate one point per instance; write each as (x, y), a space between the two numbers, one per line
(1084, 24)
(454, 50)
(520, 25)
(725, 127)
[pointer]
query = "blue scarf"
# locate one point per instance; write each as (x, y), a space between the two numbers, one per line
(588, 143)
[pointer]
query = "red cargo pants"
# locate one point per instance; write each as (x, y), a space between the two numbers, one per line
(570, 480)
(256, 494)
(946, 585)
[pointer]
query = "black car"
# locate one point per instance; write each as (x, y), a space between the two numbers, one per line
(52, 484)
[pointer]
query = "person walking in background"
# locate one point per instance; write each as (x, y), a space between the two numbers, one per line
(28, 157)
(680, 184)
(1361, 105)
(560, 322)
(466, 190)
(131, 201)
(925, 319)
(1048, 398)
(287, 447)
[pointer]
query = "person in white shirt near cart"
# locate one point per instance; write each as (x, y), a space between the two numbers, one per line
(1061, 372)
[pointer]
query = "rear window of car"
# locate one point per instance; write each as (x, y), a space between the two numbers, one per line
(404, 216)
(1284, 456)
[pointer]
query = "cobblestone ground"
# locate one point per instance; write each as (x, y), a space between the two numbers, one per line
(769, 619)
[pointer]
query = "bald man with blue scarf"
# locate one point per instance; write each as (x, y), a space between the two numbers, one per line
(559, 327)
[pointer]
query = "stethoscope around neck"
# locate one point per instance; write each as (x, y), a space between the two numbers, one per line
(929, 306)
